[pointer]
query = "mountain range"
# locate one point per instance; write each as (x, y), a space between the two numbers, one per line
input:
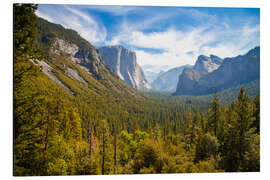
(111, 65)
(75, 64)
(212, 74)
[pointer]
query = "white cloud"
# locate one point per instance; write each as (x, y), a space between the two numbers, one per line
(117, 10)
(72, 18)
(238, 42)
(178, 47)
(161, 60)
(213, 37)
(198, 15)
(176, 44)
(44, 16)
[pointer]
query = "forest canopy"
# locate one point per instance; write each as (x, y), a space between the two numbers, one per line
(101, 131)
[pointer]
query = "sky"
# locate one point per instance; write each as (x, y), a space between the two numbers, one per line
(162, 37)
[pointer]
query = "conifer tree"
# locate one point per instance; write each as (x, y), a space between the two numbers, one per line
(214, 114)
(244, 109)
(106, 149)
(24, 35)
(239, 132)
(256, 113)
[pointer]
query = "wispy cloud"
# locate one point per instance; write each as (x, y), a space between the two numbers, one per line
(117, 10)
(198, 15)
(73, 18)
(161, 36)
(177, 45)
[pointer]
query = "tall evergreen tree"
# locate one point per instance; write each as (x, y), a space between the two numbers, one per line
(244, 109)
(214, 114)
(24, 35)
(239, 132)
(256, 113)
(106, 149)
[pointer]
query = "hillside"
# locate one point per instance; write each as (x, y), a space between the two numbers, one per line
(68, 52)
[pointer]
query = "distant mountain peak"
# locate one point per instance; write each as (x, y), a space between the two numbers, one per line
(203, 58)
(254, 51)
(205, 64)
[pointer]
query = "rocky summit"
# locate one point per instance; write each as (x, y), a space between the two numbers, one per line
(205, 64)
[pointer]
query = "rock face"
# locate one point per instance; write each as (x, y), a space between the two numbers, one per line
(232, 72)
(206, 64)
(124, 63)
(167, 81)
(90, 59)
(87, 57)
(61, 45)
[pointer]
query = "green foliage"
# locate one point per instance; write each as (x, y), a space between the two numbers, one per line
(239, 132)
(106, 127)
(214, 115)
(24, 32)
(210, 165)
(256, 113)
(146, 155)
(48, 31)
(207, 147)
(251, 162)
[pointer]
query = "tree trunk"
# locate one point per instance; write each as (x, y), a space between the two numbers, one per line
(115, 151)
(103, 148)
(90, 141)
(46, 148)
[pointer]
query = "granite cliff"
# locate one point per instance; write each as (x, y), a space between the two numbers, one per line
(124, 63)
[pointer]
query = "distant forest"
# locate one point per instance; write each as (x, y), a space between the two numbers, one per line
(101, 130)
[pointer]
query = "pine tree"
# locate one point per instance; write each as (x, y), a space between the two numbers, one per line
(25, 32)
(24, 35)
(106, 149)
(245, 119)
(256, 113)
(214, 114)
(76, 129)
(207, 147)
(239, 132)
(115, 146)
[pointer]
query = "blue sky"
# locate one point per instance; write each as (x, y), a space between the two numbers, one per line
(162, 36)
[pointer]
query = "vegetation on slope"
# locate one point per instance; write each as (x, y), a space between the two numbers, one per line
(103, 130)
